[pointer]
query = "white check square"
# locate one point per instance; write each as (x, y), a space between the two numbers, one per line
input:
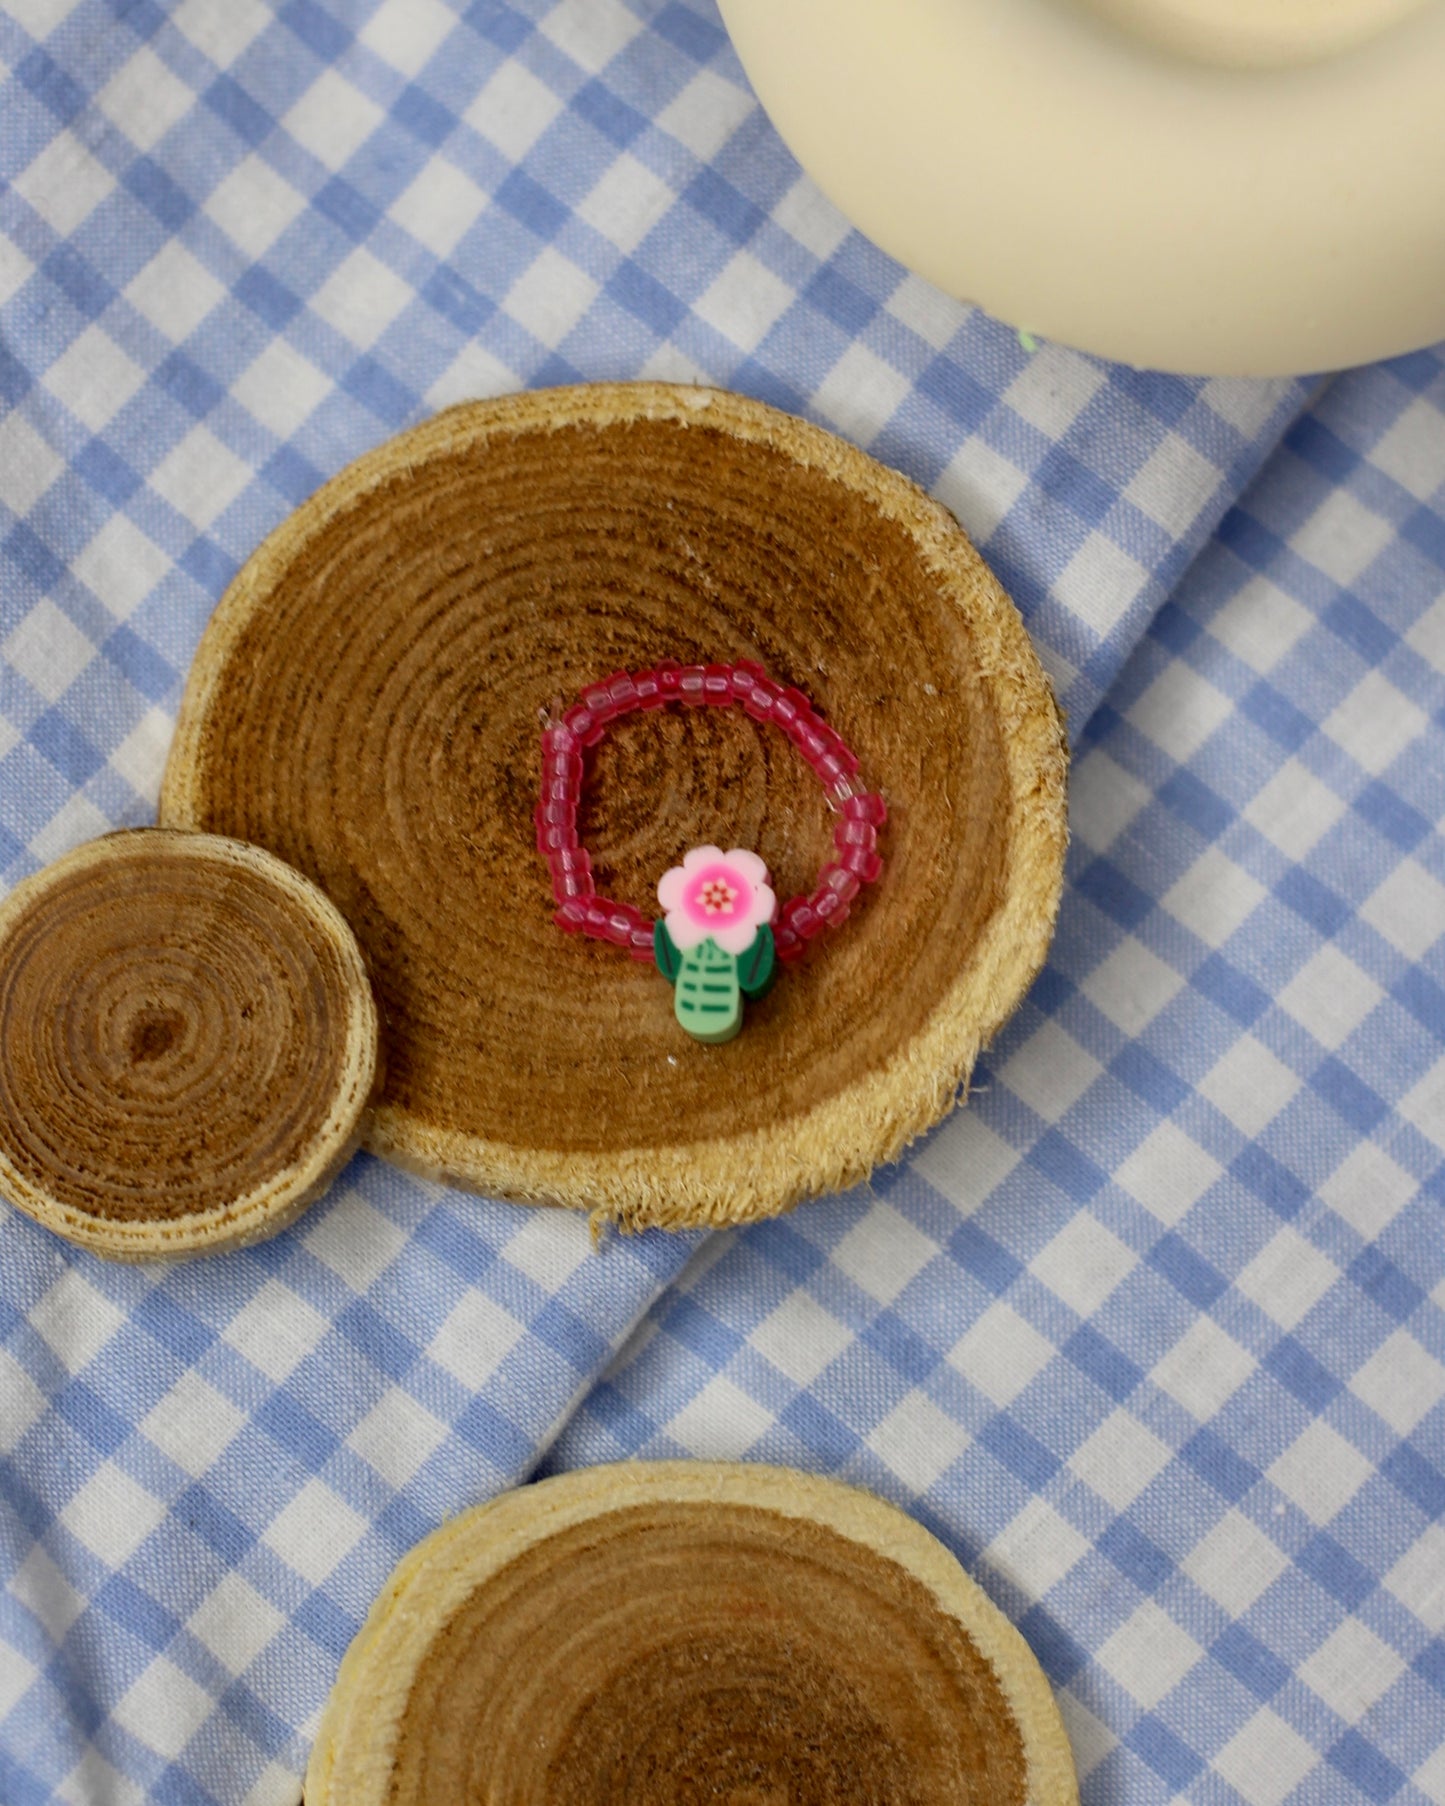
(1401, 1381)
(175, 291)
(164, 1708)
(1330, 996)
(1320, 1472)
(1235, 1563)
(235, 1623)
(1149, 1655)
(917, 1442)
(1260, 623)
(1001, 1353)
(315, 1532)
(1352, 1670)
(200, 477)
(112, 1514)
(1288, 1277)
(1266, 1760)
(1376, 723)
(1204, 1369)
(476, 1337)
(883, 1252)
(1084, 1263)
(75, 1319)
(721, 1424)
(1120, 1459)
(800, 1338)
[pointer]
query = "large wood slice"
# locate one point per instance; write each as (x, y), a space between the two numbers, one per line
(188, 1042)
(367, 702)
(680, 1633)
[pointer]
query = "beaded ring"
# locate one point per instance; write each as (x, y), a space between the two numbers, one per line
(722, 929)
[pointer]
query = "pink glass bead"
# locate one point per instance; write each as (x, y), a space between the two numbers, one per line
(622, 692)
(571, 859)
(788, 707)
(572, 887)
(787, 945)
(853, 833)
(564, 768)
(649, 690)
(717, 685)
(830, 907)
(805, 920)
(760, 699)
(866, 805)
(558, 740)
(595, 920)
(554, 836)
(838, 880)
(556, 811)
(831, 769)
(811, 740)
(691, 685)
(558, 797)
(862, 861)
(669, 676)
(571, 915)
(641, 943)
(839, 749)
(598, 698)
(745, 678)
(584, 724)
(618, 928)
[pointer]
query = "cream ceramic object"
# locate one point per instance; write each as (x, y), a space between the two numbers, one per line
(1248, 187)
(1256, 33)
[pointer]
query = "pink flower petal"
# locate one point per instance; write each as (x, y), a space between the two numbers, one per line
(749, 864)
(683, 931)
(736, 938)
(670, 886)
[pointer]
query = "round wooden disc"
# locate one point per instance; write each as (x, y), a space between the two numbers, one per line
(187, 1044)
(677, 1633)
(367, 701)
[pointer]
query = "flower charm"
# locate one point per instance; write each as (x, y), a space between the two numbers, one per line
(715, 943)
(724, 895)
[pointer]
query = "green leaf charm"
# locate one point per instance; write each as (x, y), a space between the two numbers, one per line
(708, 1000)
(669, 960)
(758, 966)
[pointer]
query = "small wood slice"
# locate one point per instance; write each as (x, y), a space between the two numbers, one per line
(680, 1633)
(188, 1042)
(367, 702)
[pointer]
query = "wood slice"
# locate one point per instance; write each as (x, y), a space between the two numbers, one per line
(677, 1633)
(188, 1042)
(367, 702)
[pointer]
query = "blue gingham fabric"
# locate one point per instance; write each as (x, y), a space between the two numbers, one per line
(1150, 1335)
(1153, 1333)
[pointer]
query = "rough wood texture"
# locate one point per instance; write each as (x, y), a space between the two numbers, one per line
(367, 703)
(684, 1632)
(187, 1044)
